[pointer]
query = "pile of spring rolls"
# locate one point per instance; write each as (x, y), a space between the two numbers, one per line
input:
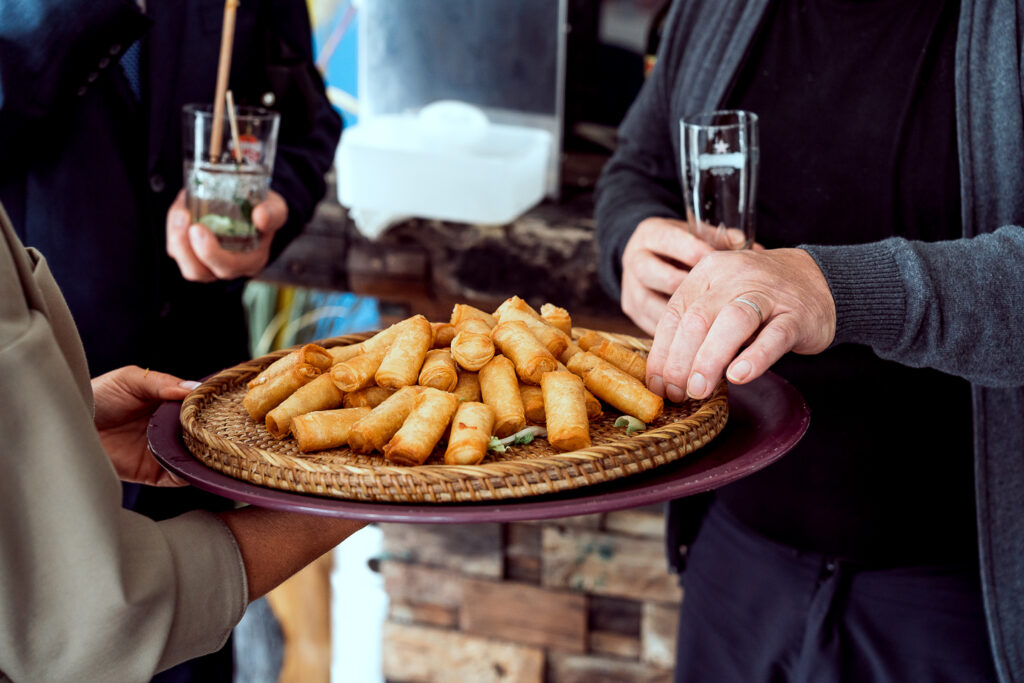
(403, 390)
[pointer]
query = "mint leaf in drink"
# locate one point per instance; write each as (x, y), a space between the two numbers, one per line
(246, 207)
(225, 226)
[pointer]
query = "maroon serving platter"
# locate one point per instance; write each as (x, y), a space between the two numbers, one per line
(766, 419)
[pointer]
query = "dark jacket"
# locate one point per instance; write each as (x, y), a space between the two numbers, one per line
(89, 171)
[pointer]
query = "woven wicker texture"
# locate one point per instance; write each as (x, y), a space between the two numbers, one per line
(217, 430)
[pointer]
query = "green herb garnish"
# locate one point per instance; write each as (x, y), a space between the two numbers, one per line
(520, 438)
(631, 424)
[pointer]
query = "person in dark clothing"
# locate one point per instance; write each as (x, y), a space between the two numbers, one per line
(884, 547)
(91, 97)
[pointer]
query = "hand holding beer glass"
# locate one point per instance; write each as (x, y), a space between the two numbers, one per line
(719, 164)
(701, 333)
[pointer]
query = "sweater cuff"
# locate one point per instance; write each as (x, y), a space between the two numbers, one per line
(868, 292)
(213, 590)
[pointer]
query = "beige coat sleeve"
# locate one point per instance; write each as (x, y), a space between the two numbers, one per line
(88, 590)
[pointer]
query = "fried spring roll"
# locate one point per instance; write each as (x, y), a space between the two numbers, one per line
(376, 429)
(358, 372)
(439, 370)
(431, 414)
(582, 362)
(264, 397)
(318, 394)
(470, 434)
(443, 334)
(370, 397)
(617, 387)
(499, 389)
(468, 387)
(385, 337)
(472, 347)
(340, 354)
(404, 357)
(557, 317)
(589, 339)
(325, 428)
(514, 303)
(519, 345)
(570, 350)
(309, 354)
(622, 358)
(566, 411)
(533, 402)
(464, 312)
(554, 340)
(594, 409)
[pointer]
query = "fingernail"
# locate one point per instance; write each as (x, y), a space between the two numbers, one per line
(195, 234)
(181, 220)
(675, 394)
(189, 384)
(739, 371)
(696, 386)
(657, 385)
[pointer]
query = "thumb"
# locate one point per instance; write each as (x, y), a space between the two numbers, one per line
(175, 389)
(148, 385)
(270, 214)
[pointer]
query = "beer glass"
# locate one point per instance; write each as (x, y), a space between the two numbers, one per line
(719, 168)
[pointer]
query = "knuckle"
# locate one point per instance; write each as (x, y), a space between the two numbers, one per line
(221, 272)
(675, 374)
(758, 353)
(714, 259)
(706, 364)
(675, 308)
(695, 320)
(778, 338)
(787, 331)
(173, 238)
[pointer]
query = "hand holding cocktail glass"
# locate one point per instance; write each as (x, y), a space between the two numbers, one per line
(222, 223)
(198, 253)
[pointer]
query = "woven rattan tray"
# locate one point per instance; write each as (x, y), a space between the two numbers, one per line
(218, 431)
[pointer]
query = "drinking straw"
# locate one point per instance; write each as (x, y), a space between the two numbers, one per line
(233, 121)
(337, 33)
(227, 37)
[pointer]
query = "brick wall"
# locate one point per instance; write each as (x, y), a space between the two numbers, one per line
(574, 600)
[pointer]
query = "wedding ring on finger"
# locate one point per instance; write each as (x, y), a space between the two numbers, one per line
(748, 302)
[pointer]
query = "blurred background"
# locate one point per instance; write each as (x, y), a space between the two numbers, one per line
(568, 67)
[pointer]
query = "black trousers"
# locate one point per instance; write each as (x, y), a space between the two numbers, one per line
(755, 611)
